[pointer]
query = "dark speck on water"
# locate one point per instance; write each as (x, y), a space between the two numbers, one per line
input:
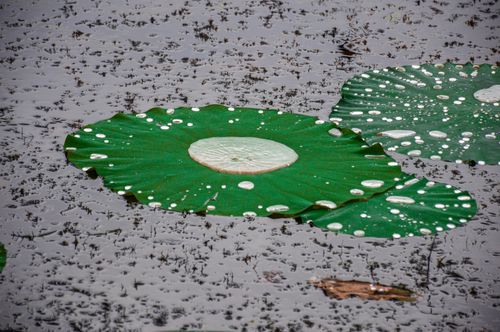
(80, 258)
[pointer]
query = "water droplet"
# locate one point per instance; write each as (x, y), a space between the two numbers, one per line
(400, 200)
(195, 109)
(164, 127)
(87, 130)
(437, 134)
(439, 206)
(334, 226)
(397, 133)
(489, 95)
(98, 156)
(357, 192)
(335, 132)
(359, 233)
(394, 211)
(336, 120)
(231, 109)
(149, 120)
(443, 97)
(277, 208)
(141, 115)
(414, 153)
(375, 156)
(154, 204)
(327, 204)
(372, 183)
(177, 121)
(100, 135)
(247, 185)
(425, 231)
(210, 207)
(396, 236)
(249, 214)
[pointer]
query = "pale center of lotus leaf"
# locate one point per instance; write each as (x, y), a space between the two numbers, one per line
(241, 155)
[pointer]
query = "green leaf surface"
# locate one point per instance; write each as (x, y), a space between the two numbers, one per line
(428, 111)
(413, 207)
(3, 257)
(146, 155)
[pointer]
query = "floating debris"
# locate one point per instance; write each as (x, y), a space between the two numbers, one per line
(345, 289)
(418, 102)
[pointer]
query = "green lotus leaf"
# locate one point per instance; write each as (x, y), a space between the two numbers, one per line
(442, 111)
(3, 257)
(228, 161)
(413, 207)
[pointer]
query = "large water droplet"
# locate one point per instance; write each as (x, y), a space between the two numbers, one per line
(398, 133)
(359, 233)
(437, 134)
(277, 208)
(98, 156)
(247, 185)
(489, 95)
(334, 226)
(357, 192)
(400, 200)
(327, 204)
(372, 183)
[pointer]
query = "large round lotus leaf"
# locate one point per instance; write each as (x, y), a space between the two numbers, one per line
(448, 112)
(413, 207)
(3, 257)
(230, 161)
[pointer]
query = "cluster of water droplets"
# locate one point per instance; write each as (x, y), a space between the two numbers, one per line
(413, 99)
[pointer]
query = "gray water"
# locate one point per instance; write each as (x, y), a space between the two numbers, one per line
(80, 258)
